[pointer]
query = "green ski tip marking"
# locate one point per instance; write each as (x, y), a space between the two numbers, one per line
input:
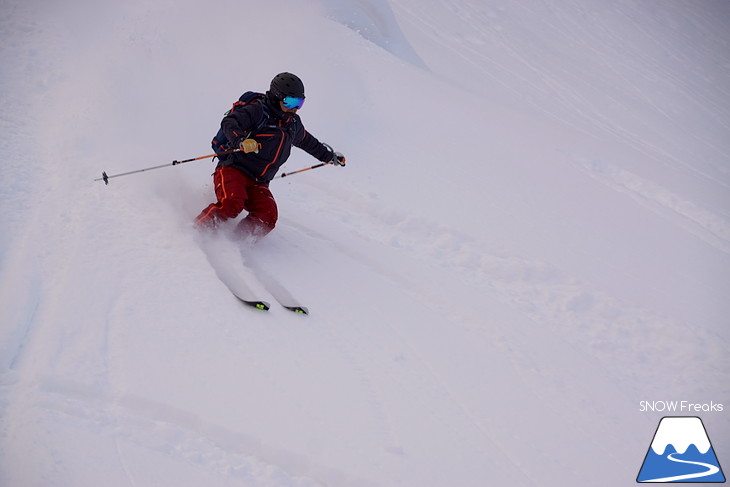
(262, 305)
(298, 309)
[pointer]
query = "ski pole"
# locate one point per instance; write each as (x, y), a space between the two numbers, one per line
(104, 177)
(283, 175)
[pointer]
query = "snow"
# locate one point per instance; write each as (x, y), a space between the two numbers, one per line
(531, 236)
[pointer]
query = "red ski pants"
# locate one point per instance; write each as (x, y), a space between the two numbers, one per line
(237, 192)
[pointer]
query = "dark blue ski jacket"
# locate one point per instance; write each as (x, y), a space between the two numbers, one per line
(277, 133)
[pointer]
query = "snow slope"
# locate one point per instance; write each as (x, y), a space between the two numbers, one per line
(532, 235)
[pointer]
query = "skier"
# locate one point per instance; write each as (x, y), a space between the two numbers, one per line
(265, 131)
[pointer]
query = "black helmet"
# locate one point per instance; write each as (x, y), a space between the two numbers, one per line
(286, 84)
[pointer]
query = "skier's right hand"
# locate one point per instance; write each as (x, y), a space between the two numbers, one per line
(249, 145)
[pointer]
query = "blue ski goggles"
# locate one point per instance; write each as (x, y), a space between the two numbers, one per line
(293, 102)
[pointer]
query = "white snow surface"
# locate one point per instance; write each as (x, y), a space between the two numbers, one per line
(531, 236)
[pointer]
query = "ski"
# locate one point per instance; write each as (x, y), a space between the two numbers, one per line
(283, 297)
(232, 276)
(245, 281)
(255, 303)
(242, 291)
(265, 306)
(280, 293)
(297, 309)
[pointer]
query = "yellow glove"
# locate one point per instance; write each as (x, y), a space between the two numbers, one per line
(249, 145)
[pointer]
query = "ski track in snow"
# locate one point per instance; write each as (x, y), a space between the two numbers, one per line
(614, 53)
(549, 296)
(464, 320)
(176, 433)
(707, 225)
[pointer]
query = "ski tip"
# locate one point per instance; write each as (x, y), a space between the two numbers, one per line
(262, 305)
(298, 309)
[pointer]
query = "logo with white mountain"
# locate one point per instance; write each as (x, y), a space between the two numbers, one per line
(681, 452)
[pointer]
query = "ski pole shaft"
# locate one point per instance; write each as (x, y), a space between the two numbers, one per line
(104, 177)
(283, 175)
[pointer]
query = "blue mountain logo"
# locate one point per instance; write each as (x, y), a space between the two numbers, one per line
(681, 452)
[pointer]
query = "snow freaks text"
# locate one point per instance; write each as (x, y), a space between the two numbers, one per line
(680, 407)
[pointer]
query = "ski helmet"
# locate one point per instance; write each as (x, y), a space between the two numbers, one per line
(286, 84)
